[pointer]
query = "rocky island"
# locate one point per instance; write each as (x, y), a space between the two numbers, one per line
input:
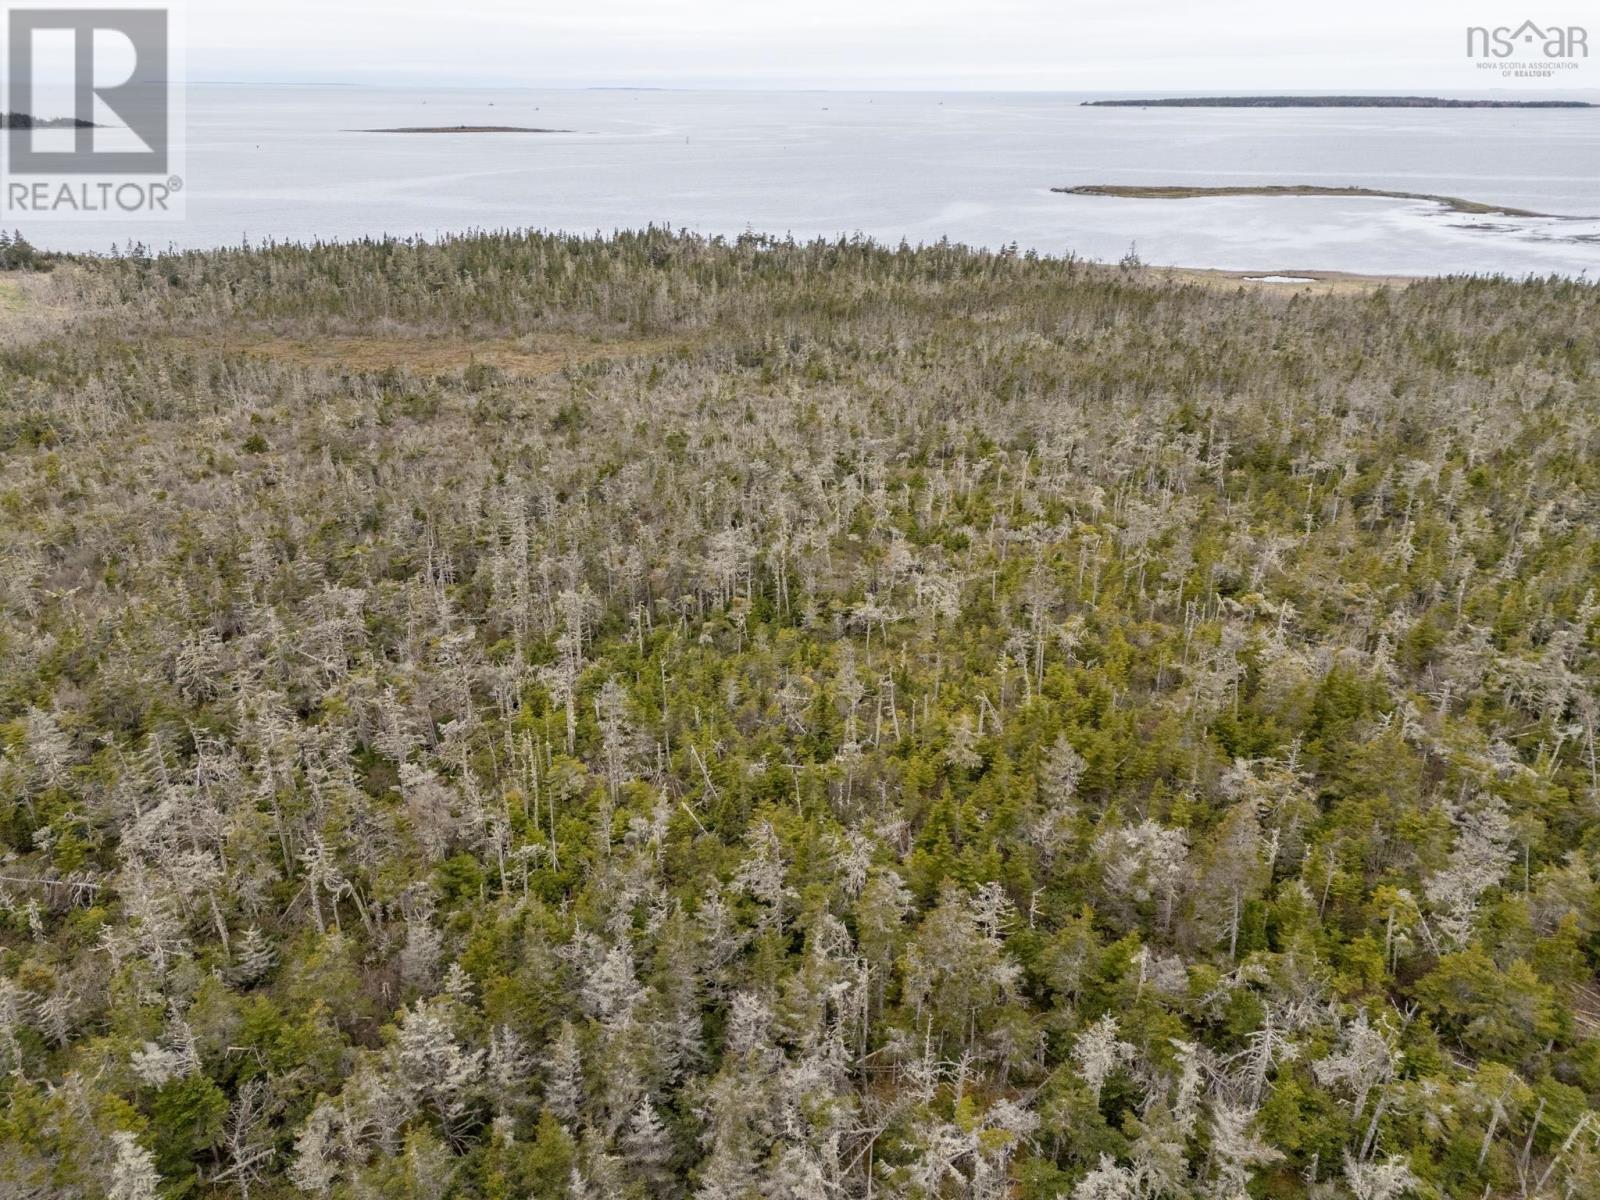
(1453, 203)
(461, 129)
(1330, 102)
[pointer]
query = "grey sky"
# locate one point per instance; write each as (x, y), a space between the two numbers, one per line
(1067, 45)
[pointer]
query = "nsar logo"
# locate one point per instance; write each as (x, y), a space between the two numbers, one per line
(1529, 50)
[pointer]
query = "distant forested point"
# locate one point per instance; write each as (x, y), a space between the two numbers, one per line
(14, 120)
(1329, 102)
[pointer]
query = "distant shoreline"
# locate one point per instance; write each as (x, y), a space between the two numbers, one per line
(1331, 102)
(1453, 203)
(461, 129)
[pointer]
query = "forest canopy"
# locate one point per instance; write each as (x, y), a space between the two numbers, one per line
(536, 716)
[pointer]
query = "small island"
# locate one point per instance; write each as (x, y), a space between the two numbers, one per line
(461, 129)
(1330, 102)
(15, 120)
(1453, 203)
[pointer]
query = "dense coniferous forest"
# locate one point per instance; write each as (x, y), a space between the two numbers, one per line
(541, 717)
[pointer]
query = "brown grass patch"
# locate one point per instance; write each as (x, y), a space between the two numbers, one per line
(541, 354)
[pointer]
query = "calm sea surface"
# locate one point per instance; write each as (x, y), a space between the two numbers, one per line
(288, 162)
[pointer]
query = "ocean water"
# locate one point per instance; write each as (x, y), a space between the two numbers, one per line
(289, 162)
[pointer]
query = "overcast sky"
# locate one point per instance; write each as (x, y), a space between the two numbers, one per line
(1064, 45)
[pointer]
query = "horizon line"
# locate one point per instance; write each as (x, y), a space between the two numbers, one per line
(1531, 93)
